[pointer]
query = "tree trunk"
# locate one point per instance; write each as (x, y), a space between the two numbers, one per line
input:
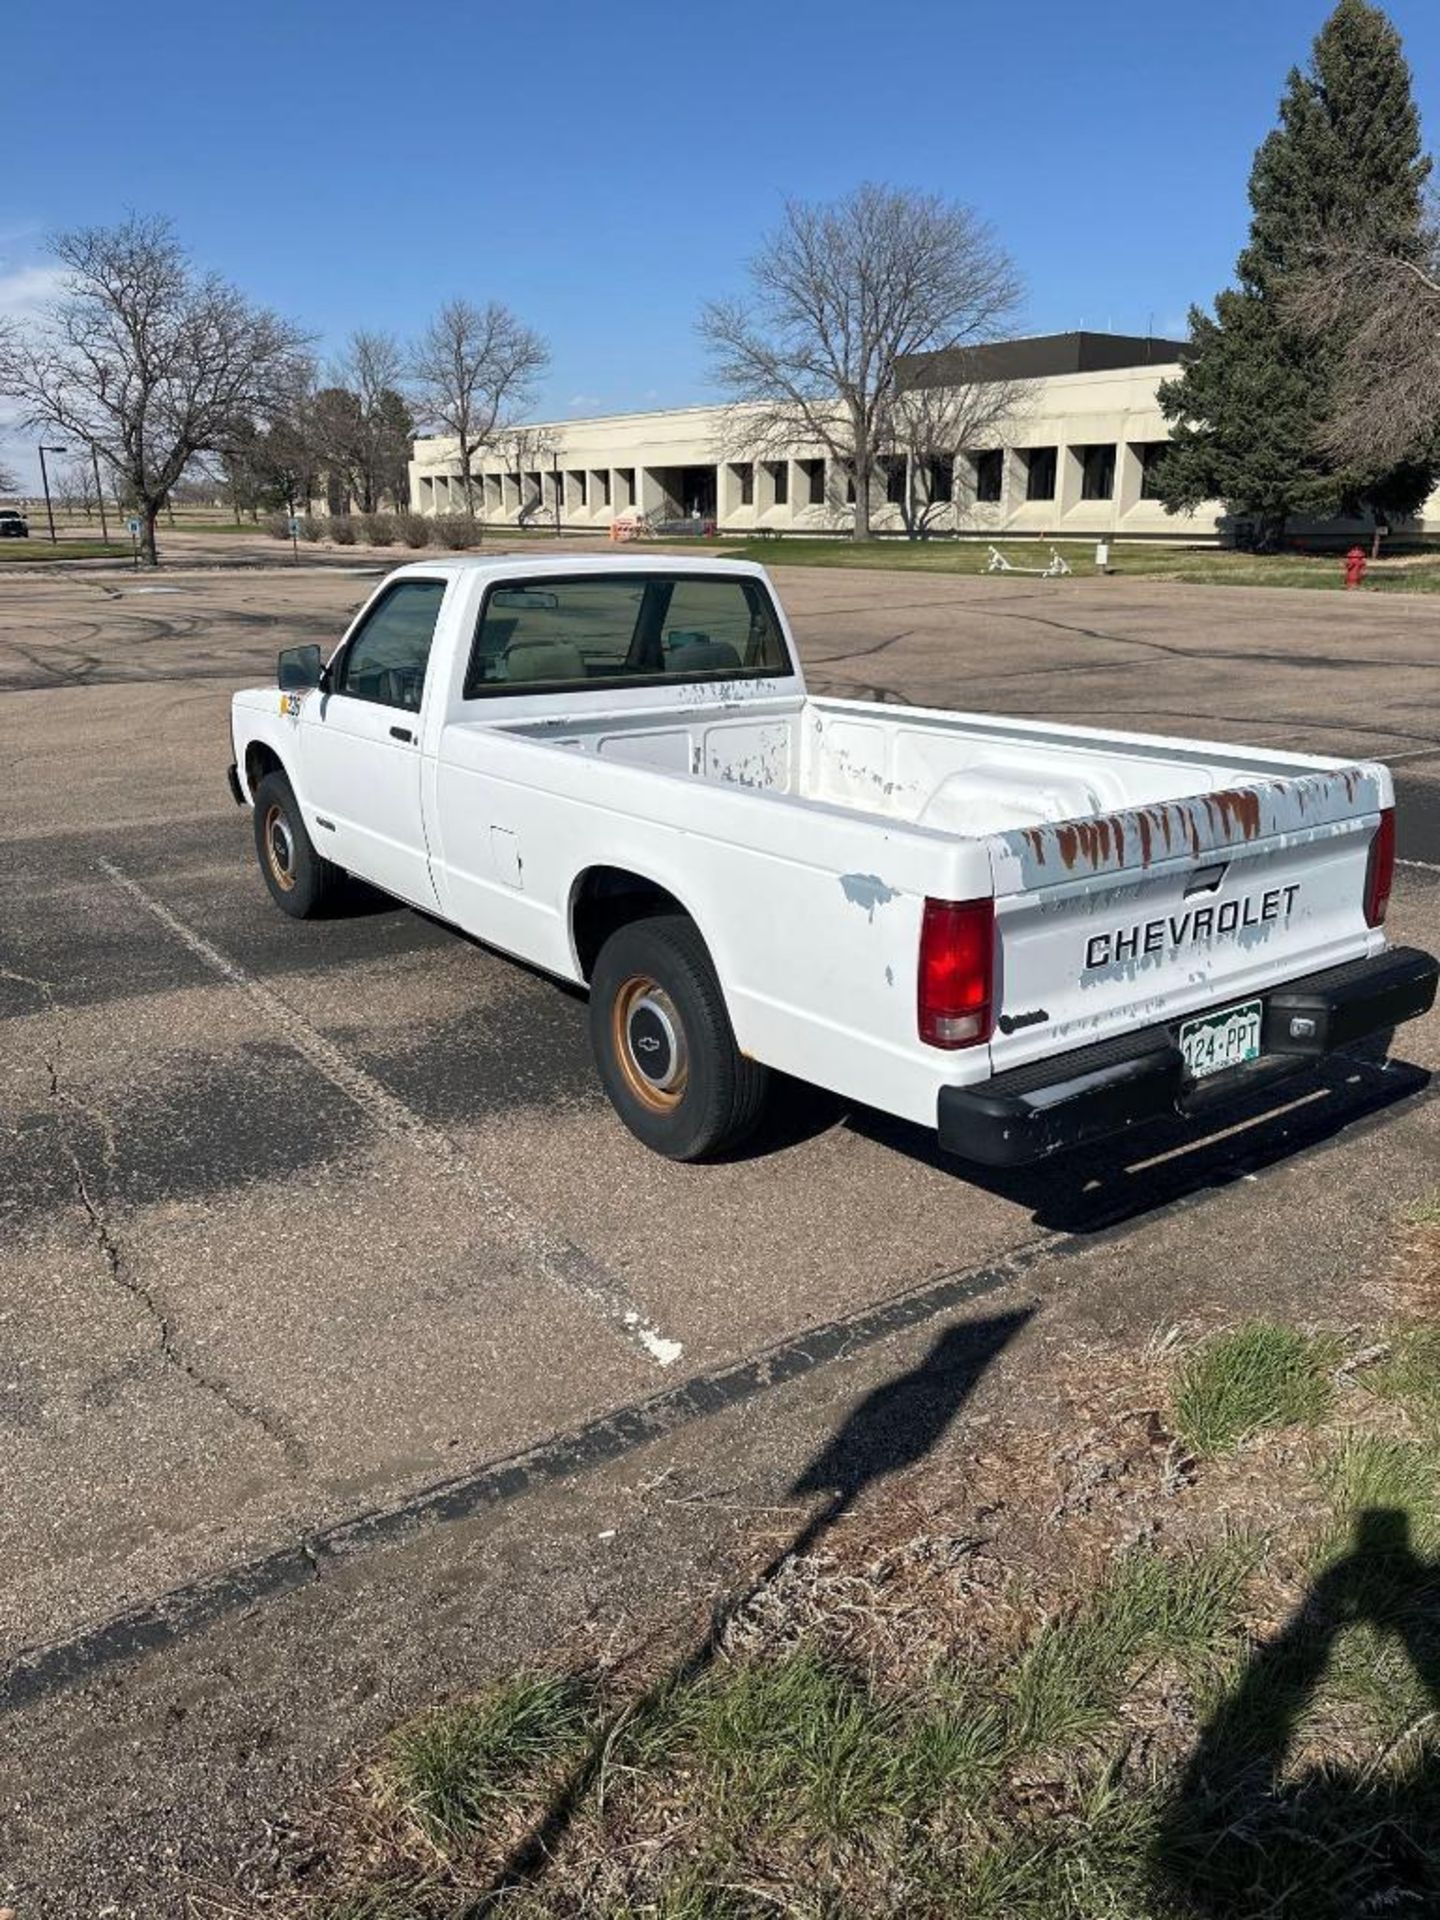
(862, 500)
(861, 456)
(150, 513)
(466, 481)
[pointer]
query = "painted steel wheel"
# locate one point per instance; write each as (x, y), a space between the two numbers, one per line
(648, 1037)
(301, 883)
(663, 1044)
(279, 847)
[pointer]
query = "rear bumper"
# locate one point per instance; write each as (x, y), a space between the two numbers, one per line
(1074, 1098)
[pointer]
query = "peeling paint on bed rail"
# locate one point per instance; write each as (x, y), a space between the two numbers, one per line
(1227, 818)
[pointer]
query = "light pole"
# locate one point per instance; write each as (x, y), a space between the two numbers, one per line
(45, 483)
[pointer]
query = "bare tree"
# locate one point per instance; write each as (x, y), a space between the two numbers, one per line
(942, 407)
(8, 481)
(76, 489)
(1383, 304)
(146, 360)
(840, 292)
(473, 369)
(373, 369)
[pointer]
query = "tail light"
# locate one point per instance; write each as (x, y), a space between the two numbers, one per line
(957, 972)
(1380, 870)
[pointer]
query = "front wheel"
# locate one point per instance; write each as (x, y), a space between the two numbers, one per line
(663, 1043)
(300, 880)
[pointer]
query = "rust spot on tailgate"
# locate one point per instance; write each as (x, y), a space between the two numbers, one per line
(1088, 841)
(1195, 825)
(1036, 839)
(1238, 809)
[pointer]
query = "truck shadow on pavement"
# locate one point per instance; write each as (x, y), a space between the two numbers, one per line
(892, 1428)
(1118, 1181)
(1247, 1832)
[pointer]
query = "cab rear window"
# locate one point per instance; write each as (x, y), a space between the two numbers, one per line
(541, 636)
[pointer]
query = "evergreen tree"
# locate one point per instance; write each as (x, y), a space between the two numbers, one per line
(1250, 404)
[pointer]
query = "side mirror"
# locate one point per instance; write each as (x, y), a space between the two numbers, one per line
(299, 668)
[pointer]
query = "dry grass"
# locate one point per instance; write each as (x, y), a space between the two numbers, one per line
(1182, 1661)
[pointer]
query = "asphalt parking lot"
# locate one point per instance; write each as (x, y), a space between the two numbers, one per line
(302, 1223)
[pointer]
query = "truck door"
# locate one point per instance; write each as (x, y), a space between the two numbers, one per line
(360, 745)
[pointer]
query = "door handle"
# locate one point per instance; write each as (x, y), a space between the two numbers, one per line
(401, 733)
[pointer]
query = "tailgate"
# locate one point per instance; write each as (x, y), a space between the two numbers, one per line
(1129, 918)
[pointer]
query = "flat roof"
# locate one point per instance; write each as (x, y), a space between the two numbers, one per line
(1040, 357)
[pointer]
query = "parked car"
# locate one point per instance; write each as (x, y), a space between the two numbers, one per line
(1022, 935)
(13, 525)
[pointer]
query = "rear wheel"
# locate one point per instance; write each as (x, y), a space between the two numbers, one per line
(663, 1043)
(300, 880)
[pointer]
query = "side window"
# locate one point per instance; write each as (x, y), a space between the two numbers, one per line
(386, 658)
(716, 623)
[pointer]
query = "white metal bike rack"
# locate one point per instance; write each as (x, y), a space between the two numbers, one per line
(1058, 565)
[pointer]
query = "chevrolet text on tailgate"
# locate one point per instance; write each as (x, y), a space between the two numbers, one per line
(1023, 936)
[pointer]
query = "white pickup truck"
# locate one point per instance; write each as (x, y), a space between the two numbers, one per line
(1024, 936)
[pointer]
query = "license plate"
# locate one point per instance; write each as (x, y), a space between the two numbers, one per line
(1219, 1040)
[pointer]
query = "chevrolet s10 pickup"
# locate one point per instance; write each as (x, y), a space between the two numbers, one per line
(1021, 935)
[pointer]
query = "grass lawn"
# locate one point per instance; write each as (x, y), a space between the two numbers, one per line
(23, 552)
(1209, 566)
(1203, 1685)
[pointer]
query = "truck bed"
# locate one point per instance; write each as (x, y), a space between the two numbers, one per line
(1232, 864)
(963, 775)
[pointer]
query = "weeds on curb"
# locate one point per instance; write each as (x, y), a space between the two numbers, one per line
(1221, 1724)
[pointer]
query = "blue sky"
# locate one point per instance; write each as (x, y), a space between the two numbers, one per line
(602, 169)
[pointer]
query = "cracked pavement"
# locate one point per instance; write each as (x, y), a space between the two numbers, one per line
(301, 1223)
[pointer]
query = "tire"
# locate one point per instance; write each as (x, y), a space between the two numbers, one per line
(655, 998)
(301, 883)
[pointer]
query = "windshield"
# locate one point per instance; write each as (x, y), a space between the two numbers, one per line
(632, 630)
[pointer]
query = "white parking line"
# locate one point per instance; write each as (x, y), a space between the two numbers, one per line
(515, 1229)
(1420, 866)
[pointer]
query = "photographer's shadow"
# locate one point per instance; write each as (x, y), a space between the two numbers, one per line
(1247, 1834)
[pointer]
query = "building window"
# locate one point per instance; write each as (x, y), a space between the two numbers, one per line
(849, 470)
(1150, 454)
(940, 477)
(780, 480)
(602, 485)
(1097, 471)
(578, 487)
(1040, 469)
(989, 465)
(814, 472)
(892, 467)
(625, 480)
(744, 472)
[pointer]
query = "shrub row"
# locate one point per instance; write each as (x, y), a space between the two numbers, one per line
(454, 530)
(278, 526)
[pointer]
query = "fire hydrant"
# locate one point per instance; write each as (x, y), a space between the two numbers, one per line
(1355, 565)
